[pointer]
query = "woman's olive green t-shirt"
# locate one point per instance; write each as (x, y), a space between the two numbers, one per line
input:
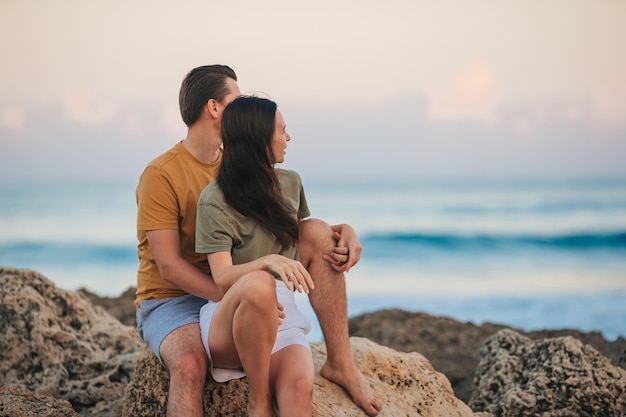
(220, 228)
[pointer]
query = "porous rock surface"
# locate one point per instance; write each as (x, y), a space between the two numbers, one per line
(55, 343)
(406, 383)
(518, 376)
(17, 402)
(453, 347)
(60, 355)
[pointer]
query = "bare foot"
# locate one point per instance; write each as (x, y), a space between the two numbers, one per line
(352, 382)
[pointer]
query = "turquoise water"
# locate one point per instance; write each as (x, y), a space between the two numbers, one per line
(530, 254)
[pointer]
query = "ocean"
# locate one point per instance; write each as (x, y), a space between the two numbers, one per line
(528, 254)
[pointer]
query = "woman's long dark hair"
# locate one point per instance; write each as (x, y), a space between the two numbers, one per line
(246, 175)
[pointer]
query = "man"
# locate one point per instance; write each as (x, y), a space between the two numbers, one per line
(173, 281)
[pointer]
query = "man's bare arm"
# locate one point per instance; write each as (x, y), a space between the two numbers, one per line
(165, 248)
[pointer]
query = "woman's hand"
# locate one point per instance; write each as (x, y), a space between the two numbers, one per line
(290, 271)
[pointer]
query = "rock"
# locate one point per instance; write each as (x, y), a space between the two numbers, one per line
(405, 382)
(122, 307)
(55, 343)
(453, 347)
(57, 351)
(17, 402)
(517, 376)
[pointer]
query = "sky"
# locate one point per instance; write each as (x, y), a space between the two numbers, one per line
(401, 88)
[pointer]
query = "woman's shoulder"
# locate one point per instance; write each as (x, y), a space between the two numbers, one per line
(288, 174)
(211, 194)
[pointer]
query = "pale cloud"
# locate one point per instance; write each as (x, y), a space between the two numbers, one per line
(12, 118)
(171, 122)
(471, 98)
(608, 104)
(604, 111)
(133, 125)
(86, 110)
(532, 117)
(523, 126)
(574, 111)
(474, 87)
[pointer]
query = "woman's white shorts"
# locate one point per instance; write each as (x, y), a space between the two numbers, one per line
(292, 331)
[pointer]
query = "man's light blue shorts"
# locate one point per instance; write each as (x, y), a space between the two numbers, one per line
(158, 318)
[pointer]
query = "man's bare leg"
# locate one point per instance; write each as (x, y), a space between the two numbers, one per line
(183, 354)
(330, 305)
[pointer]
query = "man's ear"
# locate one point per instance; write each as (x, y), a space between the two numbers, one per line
(212, 106)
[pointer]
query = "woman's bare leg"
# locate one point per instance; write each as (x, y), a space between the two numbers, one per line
(291, 378)
(242, 334)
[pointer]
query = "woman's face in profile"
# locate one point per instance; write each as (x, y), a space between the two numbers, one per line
(280, 138)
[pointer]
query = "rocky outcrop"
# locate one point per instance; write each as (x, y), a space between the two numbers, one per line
(122, 307)
(60, 355)
(517, 376)
(17, 402)
(55, 343)
(405, 382)
(453, 347)
(58, 350)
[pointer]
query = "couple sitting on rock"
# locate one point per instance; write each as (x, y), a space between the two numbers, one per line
(243, 243)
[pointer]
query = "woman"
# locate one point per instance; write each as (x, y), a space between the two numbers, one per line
(247, 224)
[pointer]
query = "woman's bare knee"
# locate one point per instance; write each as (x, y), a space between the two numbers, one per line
(257, 288)
(295, 393)
(302, 385)
(293, 370)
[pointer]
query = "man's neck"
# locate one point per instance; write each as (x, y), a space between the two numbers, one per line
(204, 147)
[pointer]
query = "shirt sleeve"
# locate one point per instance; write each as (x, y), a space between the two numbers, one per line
(157, 203)
(214, 229)
(303, 207)
(303, 210)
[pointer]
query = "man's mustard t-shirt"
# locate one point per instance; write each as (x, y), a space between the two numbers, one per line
(167, 196)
